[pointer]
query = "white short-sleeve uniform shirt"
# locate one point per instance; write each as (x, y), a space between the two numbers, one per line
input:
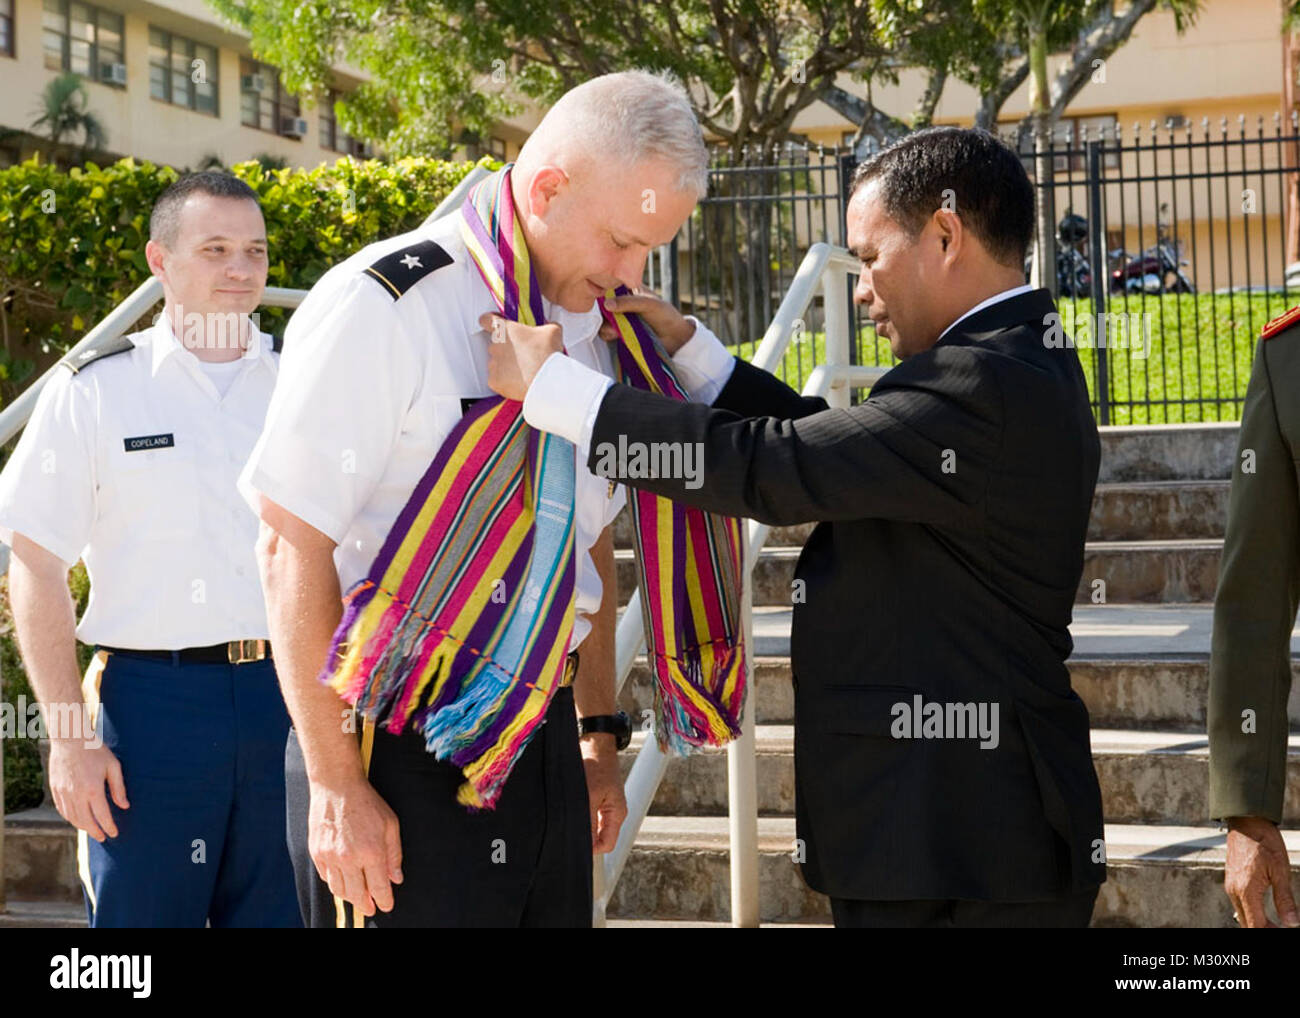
(130, 463)
(377, 370)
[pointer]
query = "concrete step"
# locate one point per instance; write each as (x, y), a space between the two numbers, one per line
(1147, 666)
(1171, 571)
(41, 858)
(1154, 692)
(20, 914)
(1135, 666)
(1164, 777)
(1136, 693)
(1145, 777)
(1178, 571)
(1159, 876)
(1127, 511)
(1159, 511)
(696, 785)
(1168, 452)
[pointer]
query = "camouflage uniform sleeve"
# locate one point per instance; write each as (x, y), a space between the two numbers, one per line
(1255, 607)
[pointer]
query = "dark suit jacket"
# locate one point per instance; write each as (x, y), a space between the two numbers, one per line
(953, 505)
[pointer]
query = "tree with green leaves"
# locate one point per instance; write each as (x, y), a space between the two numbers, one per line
(64, 112)
(435, 68)
(995, 46)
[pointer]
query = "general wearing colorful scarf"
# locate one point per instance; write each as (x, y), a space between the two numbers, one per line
(462, 625)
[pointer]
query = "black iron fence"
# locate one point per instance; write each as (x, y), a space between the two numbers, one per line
(735, 258)
(1171, 253)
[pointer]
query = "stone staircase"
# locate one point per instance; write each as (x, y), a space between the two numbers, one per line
(1140, 663)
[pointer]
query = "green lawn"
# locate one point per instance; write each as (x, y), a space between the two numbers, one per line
(1193, 367)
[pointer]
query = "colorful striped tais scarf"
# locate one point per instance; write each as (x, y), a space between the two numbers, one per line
(462, 625)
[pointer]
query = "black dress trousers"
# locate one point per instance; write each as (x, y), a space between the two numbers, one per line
(528, 862)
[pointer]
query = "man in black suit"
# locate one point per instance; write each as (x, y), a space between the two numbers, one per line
(943, 769)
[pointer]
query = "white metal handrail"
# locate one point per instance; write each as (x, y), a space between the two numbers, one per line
(825, 269)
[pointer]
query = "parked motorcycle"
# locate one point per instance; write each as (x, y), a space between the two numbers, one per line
(1073, 273)
(1158, 269)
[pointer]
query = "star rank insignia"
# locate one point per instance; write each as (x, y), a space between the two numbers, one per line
(400, 270)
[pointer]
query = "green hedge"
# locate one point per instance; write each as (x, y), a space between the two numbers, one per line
(74, 241)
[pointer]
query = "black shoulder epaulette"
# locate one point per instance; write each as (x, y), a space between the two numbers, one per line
(276, 343)
(401, 270)
(97, 353)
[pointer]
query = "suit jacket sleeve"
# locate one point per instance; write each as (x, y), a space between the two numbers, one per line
(1254, 612)
(753, 392)
(919, 449)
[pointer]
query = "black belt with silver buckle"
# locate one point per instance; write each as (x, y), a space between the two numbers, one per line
(234, 652)
(570, 669)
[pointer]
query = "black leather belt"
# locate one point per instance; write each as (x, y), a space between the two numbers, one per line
(234, 652)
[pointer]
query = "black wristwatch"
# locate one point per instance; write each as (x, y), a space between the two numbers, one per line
(618, 724)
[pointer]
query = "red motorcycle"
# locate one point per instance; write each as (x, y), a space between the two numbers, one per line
(1158, 269)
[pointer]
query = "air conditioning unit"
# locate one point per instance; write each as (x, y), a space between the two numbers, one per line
(252, 83)
(293, 127)
(113, 74)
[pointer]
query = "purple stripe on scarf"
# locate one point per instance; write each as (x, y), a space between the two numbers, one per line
(469, 213)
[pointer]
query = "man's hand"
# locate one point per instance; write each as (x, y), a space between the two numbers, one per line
(354, 840)
(45, 621)
(78, 774)
(1257, 860)
(604, 790)
(665, 321)
(517, 353)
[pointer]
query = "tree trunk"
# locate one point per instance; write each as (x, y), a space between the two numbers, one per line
(1044, 264)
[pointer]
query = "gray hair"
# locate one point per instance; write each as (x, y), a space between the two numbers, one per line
(629, 116)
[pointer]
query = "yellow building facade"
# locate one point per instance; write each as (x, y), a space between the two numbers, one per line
(171, 83)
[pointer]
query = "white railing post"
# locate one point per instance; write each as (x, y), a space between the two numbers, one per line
(742, 775)
(837, 329)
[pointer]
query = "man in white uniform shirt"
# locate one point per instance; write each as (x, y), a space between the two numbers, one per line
(129, 462)
(383, 358)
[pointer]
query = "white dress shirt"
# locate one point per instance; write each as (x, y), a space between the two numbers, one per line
(130, 464)
(371, 385)
(565, 397)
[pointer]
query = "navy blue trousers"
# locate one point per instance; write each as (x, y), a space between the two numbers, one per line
(203, 841)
